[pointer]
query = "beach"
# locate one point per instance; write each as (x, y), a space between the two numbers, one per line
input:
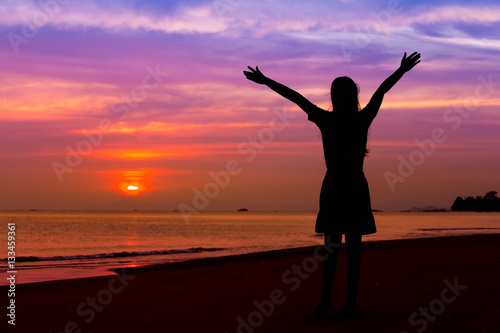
(414, 285)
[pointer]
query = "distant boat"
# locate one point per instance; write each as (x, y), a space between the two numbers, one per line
(242, 210)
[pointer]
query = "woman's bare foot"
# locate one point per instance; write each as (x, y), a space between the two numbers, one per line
(322, 309)
(349, 309)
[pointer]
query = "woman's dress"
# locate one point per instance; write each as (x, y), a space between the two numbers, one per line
(345, 205)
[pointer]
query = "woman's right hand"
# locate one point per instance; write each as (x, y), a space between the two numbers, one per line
(408, 63)
(255, 75)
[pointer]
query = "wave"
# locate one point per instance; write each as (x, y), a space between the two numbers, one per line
(439, 229)
(114, 255)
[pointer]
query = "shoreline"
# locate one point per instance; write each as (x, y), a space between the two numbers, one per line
(110, 269)
(224, 294)
(275, 254)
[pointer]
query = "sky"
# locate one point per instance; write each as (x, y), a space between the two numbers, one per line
(143, 105)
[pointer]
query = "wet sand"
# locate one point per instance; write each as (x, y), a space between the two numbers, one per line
(446, 284)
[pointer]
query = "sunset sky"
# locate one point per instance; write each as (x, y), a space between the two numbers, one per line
(139, 104)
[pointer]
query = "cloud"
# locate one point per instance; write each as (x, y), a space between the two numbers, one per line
(453, 13)
(112, 16)
(88, 54)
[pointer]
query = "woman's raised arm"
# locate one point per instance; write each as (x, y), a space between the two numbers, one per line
(256, 76)
(407, 63)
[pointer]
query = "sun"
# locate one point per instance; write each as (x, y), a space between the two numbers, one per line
(133, 182)
(132, 187)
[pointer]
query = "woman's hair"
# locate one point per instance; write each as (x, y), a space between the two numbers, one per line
(344, 94)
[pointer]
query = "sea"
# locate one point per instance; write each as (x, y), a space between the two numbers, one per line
(55, 245)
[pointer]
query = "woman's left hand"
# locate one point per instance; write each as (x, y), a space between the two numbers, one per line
(408, 63)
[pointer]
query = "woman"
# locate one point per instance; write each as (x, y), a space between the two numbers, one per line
(345, 206)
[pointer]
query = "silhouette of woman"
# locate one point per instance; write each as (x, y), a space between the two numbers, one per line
(344, 206)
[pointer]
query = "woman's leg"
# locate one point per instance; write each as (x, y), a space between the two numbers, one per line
(353, 251)
(331, 252)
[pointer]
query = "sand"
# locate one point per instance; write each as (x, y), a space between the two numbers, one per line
(447, 284)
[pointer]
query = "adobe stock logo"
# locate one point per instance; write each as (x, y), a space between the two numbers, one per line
(436, 307)
(89, 309)
(291, 279)
(453, 117)
(121, 110)
(47, 10)
(221, 179)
